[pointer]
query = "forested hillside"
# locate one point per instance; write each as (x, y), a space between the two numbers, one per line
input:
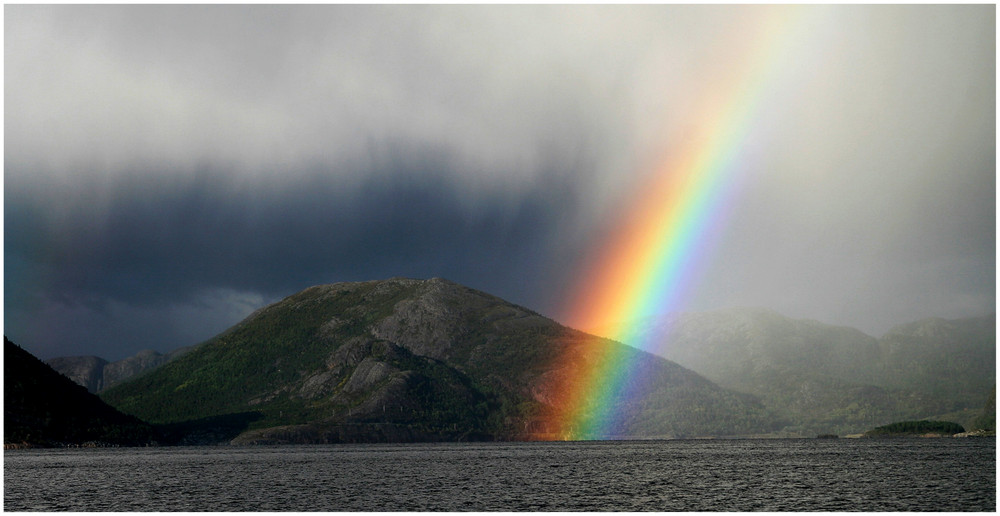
(409, 360)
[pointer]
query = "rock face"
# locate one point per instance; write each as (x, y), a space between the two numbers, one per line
(44, 408)
(97, 374)
(410, 359)
(87, 371)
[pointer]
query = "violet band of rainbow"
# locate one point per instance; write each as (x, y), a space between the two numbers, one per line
(648, 264)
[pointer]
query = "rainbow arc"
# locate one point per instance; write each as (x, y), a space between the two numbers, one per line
(646, 266)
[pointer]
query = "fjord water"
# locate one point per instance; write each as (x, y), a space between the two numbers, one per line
(682, 475)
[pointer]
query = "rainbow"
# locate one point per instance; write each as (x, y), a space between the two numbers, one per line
(650, 259)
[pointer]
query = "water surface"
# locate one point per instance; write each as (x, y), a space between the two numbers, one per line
(681, 475)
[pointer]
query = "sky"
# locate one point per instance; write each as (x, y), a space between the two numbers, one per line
(169, 169)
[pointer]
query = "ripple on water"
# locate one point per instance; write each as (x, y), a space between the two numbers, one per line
(745, 475)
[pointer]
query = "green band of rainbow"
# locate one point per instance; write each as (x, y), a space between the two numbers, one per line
(647, 265)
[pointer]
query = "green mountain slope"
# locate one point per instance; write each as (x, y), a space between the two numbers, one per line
(407, 359)
(831, 379)
(43, 407)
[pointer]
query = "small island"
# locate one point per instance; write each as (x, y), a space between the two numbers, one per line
(922, 428)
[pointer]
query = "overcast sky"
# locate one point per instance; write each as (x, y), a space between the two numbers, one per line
(168, 169)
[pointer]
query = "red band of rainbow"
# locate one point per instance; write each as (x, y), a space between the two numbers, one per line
(646, 265)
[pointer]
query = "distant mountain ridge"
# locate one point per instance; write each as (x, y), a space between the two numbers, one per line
(407, 359)
(86, 371)
(829, 378)
(952, 359)
(97, 374)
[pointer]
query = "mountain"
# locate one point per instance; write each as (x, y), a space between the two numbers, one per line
(97, 374)
(86, 371)
(404, 360)
(44, 408)
(951, 362)
(833, 379)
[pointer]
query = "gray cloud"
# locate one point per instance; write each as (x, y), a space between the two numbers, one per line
(162, 161)
(265, 87)
(175, 246)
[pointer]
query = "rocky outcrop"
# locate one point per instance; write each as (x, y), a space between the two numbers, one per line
(977, 433)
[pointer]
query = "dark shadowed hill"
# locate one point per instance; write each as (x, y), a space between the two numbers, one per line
(43, 407)
(403, 360)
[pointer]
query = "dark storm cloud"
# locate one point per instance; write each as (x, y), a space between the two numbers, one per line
(170, 168)
(163, 245)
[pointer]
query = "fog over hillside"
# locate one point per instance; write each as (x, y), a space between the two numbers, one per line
(405, 359)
